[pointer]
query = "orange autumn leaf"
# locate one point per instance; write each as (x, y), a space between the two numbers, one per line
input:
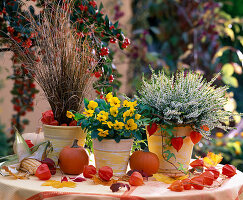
(211, 160)
(166, 179)
(98, 181)
(59, 184)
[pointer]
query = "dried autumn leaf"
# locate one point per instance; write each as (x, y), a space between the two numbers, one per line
(59, 184)
(78, 179)
(17, 176)
(167, 179)
(98, 181)
(64, 178)
(211, 160)
(115, 187)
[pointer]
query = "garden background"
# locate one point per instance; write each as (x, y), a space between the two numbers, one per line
(206, 36)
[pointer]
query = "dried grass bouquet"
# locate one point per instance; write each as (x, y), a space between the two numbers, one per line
(61, 61)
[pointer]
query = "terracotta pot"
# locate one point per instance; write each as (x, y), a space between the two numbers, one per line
(183, 156)
(61, 136)
(115, 155)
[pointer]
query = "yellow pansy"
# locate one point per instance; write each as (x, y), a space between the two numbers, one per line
(70, 114)
(114, 101)
(219, 135)
(128, 113)
(88, 113)
(109, 96)
(109, 124)
(118, 125)
(131, 125)
(102, 116)
(114, 111)
(126, 103)
(133, 104)
(102, 133)
(92, 105)
(137, 116)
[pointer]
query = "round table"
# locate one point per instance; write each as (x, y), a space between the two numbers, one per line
(31, 189)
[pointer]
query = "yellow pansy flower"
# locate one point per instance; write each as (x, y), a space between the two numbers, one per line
(109, 123)
(118, 125)
(92, 105)
(114, 101)
(137, 116)
(131, 125)
(102, 116)
(88, 113)
(133, 104)
(102, 133)
(114, 111)
(70, 114)
(128, 113)
(109, 96)
(126, 103)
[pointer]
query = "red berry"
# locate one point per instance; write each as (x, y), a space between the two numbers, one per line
(127, 42)
(195, 137)
(208, 177)
(89, 171)
(215, 172)
(228, 170)
(151, 128)
(136, 179)
(113, 40)
(176, 186)
(197, 182)
(197, 163)
(177, 143)
(105, 173)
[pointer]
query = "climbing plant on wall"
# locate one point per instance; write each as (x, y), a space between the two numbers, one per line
(86, 14)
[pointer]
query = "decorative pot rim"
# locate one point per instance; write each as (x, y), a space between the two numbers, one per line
(110, 139)
(61, 127)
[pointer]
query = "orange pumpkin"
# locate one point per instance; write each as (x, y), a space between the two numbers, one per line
(73, 159)
(146, 161)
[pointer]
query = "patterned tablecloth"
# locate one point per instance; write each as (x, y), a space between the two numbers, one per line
(31, 189)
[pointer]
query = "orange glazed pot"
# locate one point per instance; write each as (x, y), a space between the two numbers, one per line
(183, 156)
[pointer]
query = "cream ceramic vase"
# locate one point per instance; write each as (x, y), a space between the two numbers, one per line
(183, 156)
(115, 155)
(61, 136)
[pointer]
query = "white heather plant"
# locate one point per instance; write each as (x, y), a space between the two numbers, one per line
(185, 98)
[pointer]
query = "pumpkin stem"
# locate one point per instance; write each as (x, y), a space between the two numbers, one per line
(75, 144)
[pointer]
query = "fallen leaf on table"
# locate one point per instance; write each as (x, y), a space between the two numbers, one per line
(115, 187)
(166, 179)
(97, 180)
(59, 184)
(211, 160)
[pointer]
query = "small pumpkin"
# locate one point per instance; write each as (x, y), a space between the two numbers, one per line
(146, 161)
(73, 159)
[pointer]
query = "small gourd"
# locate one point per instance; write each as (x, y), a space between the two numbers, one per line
(73, 159)
(145, 161)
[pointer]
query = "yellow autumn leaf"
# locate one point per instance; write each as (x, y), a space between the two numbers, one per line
(59, 184)
(167, 179)
(211, 160)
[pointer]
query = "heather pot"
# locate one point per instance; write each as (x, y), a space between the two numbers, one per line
(115, 155)
(183, 156)
(62, 136)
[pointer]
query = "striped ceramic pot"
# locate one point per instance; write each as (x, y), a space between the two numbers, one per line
(115, 155)
(62, 136)
(183, 156)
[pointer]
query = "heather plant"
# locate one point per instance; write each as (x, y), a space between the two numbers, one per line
(184, 98)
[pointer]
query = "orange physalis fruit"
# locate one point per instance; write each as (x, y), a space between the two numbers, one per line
(197, 163)
(186, 184)
(195, 137)
(177, 143)
(211, 160)
(197, 182)
(228, 170)
(215, 172)
(208, 177)
(136, 179)
(176, 186)
(105, 173)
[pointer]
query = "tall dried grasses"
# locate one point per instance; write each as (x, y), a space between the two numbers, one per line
(62, 62)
